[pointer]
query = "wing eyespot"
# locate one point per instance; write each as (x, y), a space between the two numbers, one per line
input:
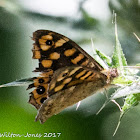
(49, 42)
(40, 90)
(41, 80)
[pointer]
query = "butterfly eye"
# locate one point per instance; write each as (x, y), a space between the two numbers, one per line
(48, 42)
(43, 99)
(40, 90)
(41, 80)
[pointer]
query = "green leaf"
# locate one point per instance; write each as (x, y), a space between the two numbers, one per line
(21, 82)
(121, 80)
(104, 57)
(98, 58)
(132, 99)
(132, 89)
(118, 58)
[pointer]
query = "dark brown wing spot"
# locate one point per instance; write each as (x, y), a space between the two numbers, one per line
(77, 59)
(39, 101)
(42, 99)
(85, 63)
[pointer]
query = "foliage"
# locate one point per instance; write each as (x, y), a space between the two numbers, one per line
(131, 91)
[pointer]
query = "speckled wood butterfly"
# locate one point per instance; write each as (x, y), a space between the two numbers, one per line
(67, 74)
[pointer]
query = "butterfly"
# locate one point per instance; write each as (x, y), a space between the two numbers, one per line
(67, 74)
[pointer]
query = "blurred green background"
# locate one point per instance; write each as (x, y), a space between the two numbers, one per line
(80, 20)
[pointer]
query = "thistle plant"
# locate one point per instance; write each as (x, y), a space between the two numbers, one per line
(128, 82)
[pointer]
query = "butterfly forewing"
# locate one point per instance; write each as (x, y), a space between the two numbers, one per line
(55, 51)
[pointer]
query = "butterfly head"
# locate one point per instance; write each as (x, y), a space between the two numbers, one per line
(111, 74)
(114, 72)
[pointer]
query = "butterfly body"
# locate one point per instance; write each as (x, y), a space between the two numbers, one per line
(65, 68)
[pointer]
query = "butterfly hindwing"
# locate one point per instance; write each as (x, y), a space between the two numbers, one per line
(62, 79)
(72, 76)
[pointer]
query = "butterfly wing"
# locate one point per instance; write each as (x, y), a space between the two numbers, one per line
(70, 85)
(55, 52)
(40, 85)
(71, 76)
